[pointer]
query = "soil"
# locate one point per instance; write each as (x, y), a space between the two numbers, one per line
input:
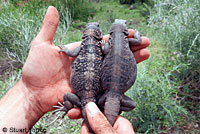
(7, 66)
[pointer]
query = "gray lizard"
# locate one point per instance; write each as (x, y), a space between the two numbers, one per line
(85, 75)
(118, 71)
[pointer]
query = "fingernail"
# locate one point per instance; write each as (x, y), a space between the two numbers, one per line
(50, 7)
(92, 108)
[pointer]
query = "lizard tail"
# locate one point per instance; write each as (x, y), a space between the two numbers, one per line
(112, 107)
(85, 118)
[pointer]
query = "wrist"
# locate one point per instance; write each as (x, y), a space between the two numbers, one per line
(32, 107)
(19, 108)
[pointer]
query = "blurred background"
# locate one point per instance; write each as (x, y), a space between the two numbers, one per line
(167, 89)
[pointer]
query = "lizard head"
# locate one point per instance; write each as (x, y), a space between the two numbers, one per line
(119, 26)
(94, 30)
(120, 21)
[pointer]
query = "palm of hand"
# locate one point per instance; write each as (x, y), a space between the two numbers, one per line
(46, 73)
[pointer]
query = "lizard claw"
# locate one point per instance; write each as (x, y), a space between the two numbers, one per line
(103, 41)
(61, 107)
(62, 48)
(61, 104)
(64, 115)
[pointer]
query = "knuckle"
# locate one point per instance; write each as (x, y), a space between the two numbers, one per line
(51, 24)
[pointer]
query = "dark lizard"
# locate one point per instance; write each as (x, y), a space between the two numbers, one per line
(118, 71)
(85, 76)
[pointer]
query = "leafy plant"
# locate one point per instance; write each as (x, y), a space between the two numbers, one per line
(179, 24)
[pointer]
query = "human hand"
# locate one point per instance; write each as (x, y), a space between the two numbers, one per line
(46, 73)
(100, 124)
(45, 79)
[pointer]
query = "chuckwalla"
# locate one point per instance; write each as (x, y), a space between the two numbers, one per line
(85, 76)
(118, 71)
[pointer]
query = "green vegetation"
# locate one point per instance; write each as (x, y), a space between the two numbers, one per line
(79, 9)
(157, 106)
(167, 87)
(179, 23)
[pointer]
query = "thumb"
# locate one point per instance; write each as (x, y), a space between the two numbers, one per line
(49, 25)
(97, 120)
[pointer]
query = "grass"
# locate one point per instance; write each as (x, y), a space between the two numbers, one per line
(60, 125)
(108, 11)
(158, 108)
(177, 22)
(9, 82)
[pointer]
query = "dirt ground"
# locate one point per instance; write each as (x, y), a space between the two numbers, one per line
(7, 66)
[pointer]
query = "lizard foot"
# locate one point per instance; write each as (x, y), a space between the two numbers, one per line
(136, 40)
(63, 49)
(70, 100)
(69, 52)
(127, 104)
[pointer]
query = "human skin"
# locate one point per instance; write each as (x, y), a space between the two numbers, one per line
(100, 124)
(46, 77)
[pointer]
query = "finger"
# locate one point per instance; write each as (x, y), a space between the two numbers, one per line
(141, 55)
(74, 113)
(106, 37)
(49, 25)
(145, 43)
(97, 120)
(131, 33)
(84, 129)
(123, 126)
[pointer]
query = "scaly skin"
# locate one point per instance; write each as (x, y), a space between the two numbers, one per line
(119, 71)
(85, 76)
